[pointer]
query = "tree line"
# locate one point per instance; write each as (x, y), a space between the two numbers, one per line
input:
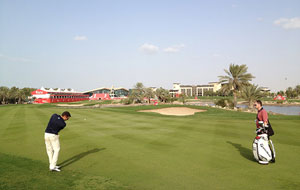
(141, 94)
(235, 83)
(14, 95)
(291, 92)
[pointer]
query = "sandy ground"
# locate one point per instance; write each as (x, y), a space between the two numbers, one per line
(177, 111)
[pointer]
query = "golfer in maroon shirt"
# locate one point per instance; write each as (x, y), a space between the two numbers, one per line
(262, 114)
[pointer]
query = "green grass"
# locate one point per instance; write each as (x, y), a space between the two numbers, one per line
(293, 100)
(90, 102)
(120, 148)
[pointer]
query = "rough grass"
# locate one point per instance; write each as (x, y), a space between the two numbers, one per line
(120, 148)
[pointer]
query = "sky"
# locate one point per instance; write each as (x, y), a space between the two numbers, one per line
(103, 43)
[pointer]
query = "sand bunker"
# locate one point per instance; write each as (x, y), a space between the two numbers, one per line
(177, 111)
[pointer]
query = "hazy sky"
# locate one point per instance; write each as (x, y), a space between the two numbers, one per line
(100, 43)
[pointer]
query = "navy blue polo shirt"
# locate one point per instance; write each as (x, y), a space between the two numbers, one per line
(55, 124)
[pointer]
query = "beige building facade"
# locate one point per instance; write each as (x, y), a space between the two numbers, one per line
(194, 90)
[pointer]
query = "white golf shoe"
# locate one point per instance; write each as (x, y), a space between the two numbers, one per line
(55, 170)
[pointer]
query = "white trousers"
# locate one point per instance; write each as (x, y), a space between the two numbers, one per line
(52, 147)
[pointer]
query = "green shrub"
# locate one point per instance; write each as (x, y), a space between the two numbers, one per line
(279, 101)
(221, 103)
(225, 102)
(106, 102)
(127, 101)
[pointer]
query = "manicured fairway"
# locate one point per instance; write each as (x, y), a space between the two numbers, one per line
(120, 148)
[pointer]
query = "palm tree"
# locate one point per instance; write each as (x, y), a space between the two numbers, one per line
(163, 94)
(250, 93)
(134, 96)
(28, 91)
(290, 92)
(182, 97)
(236, 78)
(20, 95)
(137, 93)
(281, 92)
(140, 88)
(297, 89)
(149, 93)
(4, 94)
(12, 94)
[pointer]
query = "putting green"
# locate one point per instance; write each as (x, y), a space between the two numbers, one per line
(121, 148)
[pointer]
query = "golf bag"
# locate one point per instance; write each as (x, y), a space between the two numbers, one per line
(263, 148)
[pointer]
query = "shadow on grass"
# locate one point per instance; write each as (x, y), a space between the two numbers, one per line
(245, 152)
(79, 156)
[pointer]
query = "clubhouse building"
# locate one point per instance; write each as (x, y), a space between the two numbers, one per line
(43, 95)
(194, 90)
(105, 93)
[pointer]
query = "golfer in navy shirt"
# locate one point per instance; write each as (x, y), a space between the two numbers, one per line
(56, 123)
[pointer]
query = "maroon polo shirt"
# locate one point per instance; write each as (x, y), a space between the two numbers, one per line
(262, 115)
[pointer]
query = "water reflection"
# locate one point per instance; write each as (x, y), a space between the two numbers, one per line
(285, 110)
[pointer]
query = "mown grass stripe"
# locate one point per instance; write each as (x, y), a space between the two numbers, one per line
(209, 150)
(19, 173)
(15, 125)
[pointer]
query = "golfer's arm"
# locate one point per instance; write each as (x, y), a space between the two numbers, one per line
(265, 118)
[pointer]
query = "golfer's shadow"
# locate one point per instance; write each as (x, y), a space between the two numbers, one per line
(245, 152)
(79, 156)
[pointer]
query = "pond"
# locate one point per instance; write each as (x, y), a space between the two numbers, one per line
(285, 110)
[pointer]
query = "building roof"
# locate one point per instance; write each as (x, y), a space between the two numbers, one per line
(57, 90)
(102, 88)
(205, 85)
